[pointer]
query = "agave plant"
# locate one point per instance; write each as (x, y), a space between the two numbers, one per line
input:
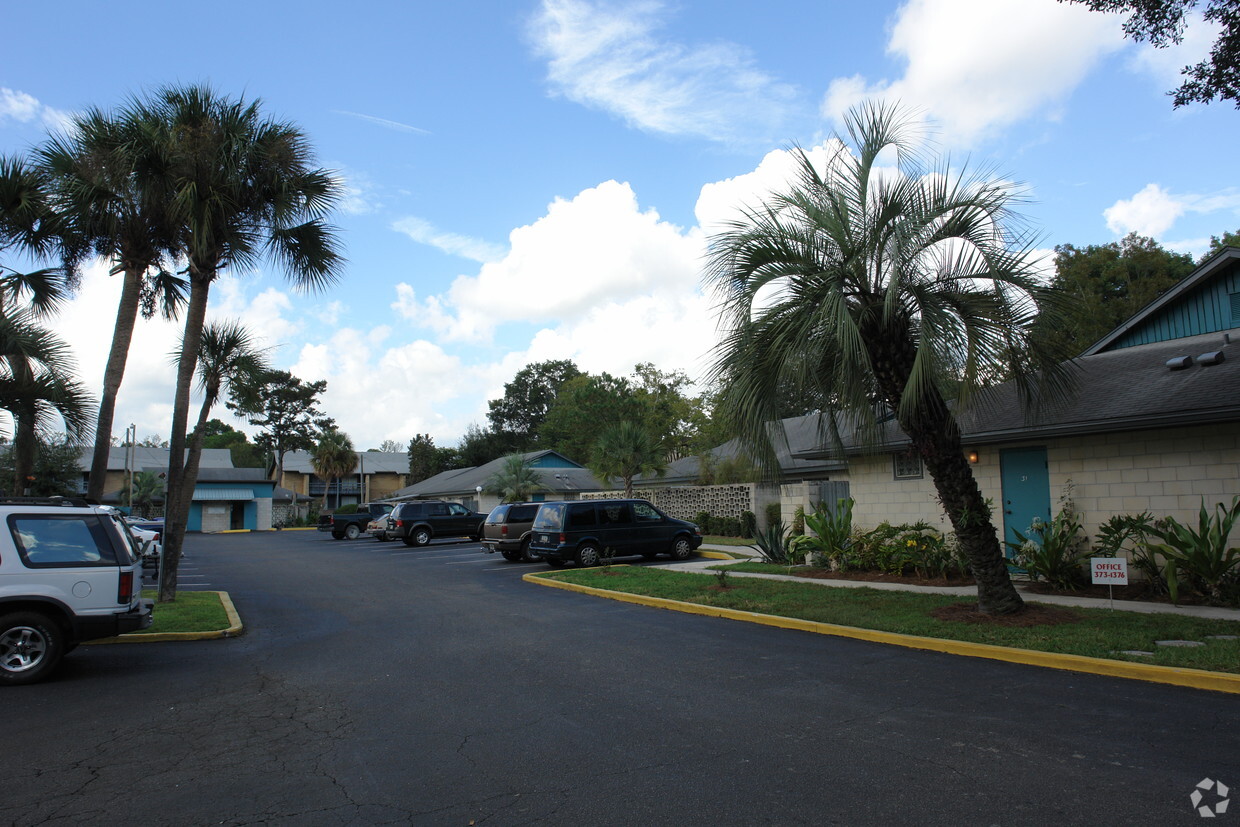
(772, 543)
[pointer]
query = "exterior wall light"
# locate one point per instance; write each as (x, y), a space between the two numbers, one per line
(973, 457)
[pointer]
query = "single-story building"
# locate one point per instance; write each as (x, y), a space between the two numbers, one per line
(376, 476)
(231, 499)
(562, 479)
(1154, 426)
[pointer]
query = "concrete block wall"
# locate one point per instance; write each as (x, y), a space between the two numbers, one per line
(684, 502)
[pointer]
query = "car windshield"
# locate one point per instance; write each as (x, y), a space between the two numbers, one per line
(550, 517)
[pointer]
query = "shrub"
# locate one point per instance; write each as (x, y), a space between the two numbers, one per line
(350, 508)
(774, 514)
(1202, 556)
(1054, 551)
(702, 519)
(832, 533)
(798, 521)
(749, 524)
(1121, 529)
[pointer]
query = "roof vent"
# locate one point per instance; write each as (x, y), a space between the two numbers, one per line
(1211, 358)
(1180, 362)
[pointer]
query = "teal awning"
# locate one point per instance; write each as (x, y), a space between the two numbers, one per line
(201, 494)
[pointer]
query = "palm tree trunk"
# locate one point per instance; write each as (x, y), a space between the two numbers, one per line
(176, 518)
(24, 433)
(936, 439)
(24, 441)
(194, 457)
(122, 336)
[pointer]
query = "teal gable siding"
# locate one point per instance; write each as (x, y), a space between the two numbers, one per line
(554, 461)
(1208, 309)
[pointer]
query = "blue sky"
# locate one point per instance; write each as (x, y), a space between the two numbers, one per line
(534, 179)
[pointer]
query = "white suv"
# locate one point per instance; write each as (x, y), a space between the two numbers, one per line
(69, 572)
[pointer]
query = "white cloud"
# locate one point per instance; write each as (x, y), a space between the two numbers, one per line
(24, 108)
(596, 249)
(976, 66)
(423, 232)
(611, 58)
(1154, 210)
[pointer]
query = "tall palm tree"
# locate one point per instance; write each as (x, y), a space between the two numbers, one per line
(243, 187)
(516, 480)
(333, 458)
(227, 354)
(626, 450)
(889, 291)
(94, 189)
(38, 380)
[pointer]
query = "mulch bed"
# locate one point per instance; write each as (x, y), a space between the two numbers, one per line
(1034, 614)
(882, 577)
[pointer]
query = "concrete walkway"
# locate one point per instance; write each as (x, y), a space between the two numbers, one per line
(705, 566)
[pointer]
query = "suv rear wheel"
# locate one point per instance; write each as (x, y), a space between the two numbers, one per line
(419, 536)
(31, 644)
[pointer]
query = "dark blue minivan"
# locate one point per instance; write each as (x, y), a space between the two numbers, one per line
(585, 531)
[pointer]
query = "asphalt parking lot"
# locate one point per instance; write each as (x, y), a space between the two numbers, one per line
(381, 684)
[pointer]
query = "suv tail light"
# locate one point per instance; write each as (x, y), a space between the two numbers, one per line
(124, 591)
(563, 539)
(398, 523)
(503, 531)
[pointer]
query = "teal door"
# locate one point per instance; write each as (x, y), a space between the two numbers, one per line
(1026, 490)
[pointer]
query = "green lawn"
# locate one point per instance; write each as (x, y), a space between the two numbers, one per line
(720, 540)
(1100, 633)
(190, 612)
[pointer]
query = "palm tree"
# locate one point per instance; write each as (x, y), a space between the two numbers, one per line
(37, 369)
(626, 450)
(95, 190)
(36, 385)
(889, 291)
(242, 187)
(333, 458)
(147, 488)
(227, 355)
(516, 480)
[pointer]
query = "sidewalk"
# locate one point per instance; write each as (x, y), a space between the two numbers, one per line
(1213, 612)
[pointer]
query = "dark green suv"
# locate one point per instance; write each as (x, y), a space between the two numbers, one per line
(418, 521)
(585, 531)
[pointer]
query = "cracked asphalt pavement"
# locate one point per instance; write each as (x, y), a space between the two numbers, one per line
(379, 684)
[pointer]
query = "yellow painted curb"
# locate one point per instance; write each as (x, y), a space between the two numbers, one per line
(298, 528)
(233, 531)
(1177, 676)
(235, 628)
(716, 555)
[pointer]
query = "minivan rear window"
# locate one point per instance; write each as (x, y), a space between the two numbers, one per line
(550, 517)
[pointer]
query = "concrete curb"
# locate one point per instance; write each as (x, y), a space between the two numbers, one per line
(234, 629)
(1176, 676)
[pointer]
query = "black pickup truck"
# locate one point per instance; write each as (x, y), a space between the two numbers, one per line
(352, 526)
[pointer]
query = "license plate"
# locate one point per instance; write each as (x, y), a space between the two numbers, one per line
(543, 538)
